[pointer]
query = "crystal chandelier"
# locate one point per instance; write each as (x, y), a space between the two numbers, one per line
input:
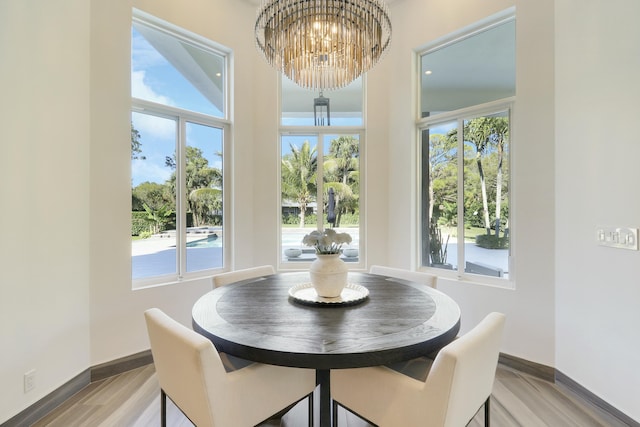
(323, 44)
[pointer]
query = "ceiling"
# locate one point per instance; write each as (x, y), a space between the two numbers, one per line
(257, 2)
(471, 71)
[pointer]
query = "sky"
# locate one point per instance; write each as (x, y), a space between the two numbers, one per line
(154, 79)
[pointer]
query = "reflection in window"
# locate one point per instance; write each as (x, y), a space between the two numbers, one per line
(478, 69)
(168, 70)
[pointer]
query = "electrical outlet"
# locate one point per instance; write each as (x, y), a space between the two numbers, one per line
(29, 380)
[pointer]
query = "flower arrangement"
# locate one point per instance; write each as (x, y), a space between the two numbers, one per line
(326, 242)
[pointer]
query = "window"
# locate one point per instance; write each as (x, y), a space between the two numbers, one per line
(472, 70)
(465, 145)
(178, 138)
(320, 170)
(303, 107)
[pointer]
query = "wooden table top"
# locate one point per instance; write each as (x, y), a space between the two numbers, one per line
(257, 320)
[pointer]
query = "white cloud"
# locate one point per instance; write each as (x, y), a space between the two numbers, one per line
(154, 127)
(143, 171)
(143, 55)
(140, 89)
(157, 136)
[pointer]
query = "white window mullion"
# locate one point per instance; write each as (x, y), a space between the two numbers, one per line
(320, 182)
(460, 232)
(181, 202)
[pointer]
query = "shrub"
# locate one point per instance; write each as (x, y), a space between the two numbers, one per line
(489, 241)
(139, 223)
(350, 219)
(290, 219)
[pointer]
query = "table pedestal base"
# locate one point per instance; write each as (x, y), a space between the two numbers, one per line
(323, 379)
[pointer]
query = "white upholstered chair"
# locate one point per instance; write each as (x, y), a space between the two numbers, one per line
(399, 273)
(244, 274)
(190, 372)
(459, 383)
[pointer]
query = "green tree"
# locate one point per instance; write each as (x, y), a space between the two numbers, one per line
(344, 199)
(341, 172)
(488, 134)
(198, 175)
(160, 217)
(136, 145)
(501, 138)
(153, 194)
(205, 202)
(442, 175)
(299, 171)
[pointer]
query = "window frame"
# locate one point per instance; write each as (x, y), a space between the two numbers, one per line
(182, 117)
(320, 132)
(459, 116)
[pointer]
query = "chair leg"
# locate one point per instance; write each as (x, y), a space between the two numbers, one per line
(487, 420)
(311, 409)
(163, 408)
(334, 416)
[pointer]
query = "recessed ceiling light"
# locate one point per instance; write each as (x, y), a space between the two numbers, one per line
(428, 72)
(218, 74)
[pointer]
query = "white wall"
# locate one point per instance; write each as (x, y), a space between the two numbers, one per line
(597, 173)
(44, 191)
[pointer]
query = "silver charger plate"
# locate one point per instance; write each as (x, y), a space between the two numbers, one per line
(351, 294)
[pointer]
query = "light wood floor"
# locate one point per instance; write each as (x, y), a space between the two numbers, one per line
(132, 399)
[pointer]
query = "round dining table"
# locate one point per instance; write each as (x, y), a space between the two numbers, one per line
(266, 320)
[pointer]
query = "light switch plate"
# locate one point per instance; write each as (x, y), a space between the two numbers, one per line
(617, 237)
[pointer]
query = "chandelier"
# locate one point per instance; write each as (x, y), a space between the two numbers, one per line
(323, 44)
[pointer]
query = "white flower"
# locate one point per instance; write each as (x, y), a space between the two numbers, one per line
(343, 238)
(327, 241)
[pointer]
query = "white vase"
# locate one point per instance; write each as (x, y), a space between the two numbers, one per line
(328, 275)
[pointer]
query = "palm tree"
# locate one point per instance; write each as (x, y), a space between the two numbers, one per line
(341, 172)
(478, 132)
(501, 137)
(344, 151)
(486, 134)
(299, 169)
